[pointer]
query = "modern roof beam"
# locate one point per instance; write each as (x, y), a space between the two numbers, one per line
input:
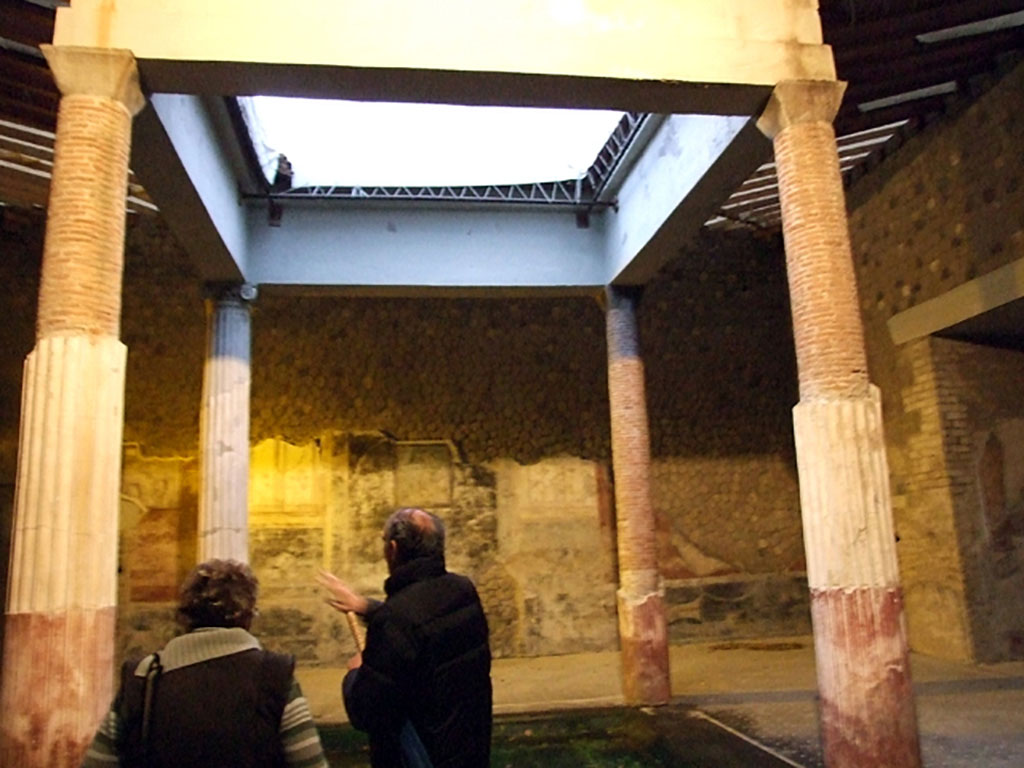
(690, 167)
(412, 250)
(181, 161)
(677, 182)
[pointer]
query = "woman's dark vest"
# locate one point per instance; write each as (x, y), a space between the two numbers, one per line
(220, 713)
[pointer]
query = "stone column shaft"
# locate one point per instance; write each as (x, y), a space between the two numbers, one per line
(224, 429)
(643, 631)
(867, 704)
(59, 640)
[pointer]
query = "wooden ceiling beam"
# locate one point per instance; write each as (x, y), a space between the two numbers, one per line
(851, 58)
(974, 55)
(25, 22)
(18, 110)
(33, 152)
(33, 95)
(905, 81)
(851, 120)
(22, 69)
(910, 24)
(23, 188)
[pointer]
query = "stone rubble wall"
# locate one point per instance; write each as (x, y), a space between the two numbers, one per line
(357, 403)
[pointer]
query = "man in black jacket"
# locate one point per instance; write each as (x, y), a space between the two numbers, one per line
(427, 662)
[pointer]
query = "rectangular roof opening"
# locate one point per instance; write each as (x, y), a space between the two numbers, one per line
(371, 144)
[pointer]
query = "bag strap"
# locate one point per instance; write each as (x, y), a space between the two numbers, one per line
(413, 753)
(152, 674)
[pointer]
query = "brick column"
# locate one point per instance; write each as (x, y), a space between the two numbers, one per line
(867, 705)
(224, 426)
(643, 632)
(59, 640)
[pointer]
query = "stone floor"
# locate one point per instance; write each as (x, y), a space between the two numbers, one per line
(761, 692)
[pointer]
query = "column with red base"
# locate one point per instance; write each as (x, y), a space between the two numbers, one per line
(867, 705)
(59, 636)
(643, 632)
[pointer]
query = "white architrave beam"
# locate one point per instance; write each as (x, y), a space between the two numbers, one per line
(690, 167)
(408, 250)
(648, 55)
(180, 161)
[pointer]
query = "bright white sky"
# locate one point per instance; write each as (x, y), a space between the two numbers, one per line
(349, 143)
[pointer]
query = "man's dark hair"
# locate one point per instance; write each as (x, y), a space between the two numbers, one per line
(417, 533)
(218, 593)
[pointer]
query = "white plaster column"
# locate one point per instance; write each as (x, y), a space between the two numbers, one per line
(224, 425)
(866, 700)
(61, 601)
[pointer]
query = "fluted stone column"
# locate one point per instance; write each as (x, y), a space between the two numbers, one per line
(867, 705)
(59, 639)
(643, 632)
(224, 425)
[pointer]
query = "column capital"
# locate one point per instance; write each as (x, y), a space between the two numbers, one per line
(105, 72)
(239, 293)
(619, 296)
(801, 101)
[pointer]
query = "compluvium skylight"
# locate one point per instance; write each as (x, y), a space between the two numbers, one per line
(350, 143)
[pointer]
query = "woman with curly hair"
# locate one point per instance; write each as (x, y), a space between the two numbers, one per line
(212, 696)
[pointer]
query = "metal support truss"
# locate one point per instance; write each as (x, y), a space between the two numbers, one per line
(587, 192)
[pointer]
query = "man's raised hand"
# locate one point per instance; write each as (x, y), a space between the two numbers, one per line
(340, 595)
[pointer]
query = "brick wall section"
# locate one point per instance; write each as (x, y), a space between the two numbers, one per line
(982, 410)
(931, 565)
(947, 207)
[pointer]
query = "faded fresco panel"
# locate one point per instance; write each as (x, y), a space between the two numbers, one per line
(423, 475)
